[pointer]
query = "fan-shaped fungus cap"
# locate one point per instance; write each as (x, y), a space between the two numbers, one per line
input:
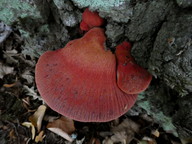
(131, 78)
(79, 81)
(90, 20)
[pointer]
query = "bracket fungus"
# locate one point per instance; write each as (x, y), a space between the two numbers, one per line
(131, 78)
(80, 80)
(90, 20)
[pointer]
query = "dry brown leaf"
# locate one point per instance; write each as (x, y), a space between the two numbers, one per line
(121, 137)
(5, 31)
(123, 133)
(149, 140)
(31, 92)
(26, 101)
(50, 118)
(175, 142)
(143, 142)
(28, 76)
(37, 117)
(80, 141)
(40, 137)
(5, 70)
(10, 55)
(4, 127)
(186, 140)
(147, 118)
(63, 127)
(107, 141)
(61, 133)
(94, 141)
(26, 104)
(30, 125)
(155, 133)
(12, 134)
(63, 123)
(127, 124)
(9, 85)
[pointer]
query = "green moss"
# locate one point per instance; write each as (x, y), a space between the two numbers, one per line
(165, 121)
(118, 10)
(104, 4)
(10, 10)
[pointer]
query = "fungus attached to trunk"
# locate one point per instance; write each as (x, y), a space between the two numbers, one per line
(90, 20)
(79, 80)
(131, 78)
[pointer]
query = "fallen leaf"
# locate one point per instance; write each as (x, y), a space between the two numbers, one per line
(37, 117)
(143, 142)
(94, 141)
(12, 134)
(63, 123)
(121, 137)
(40, 137)
(155, 133)
(26, 101)
(30, 125)
(186, 140)
(127, 124)
(147, 118)
(31, 92)
(50, 118)
(26, 104)
(175, 142)
(80, 141)
(11, 53)
(28, 76)
(9, 85)
(123, 133)
(11, 56)
(5, 127)
(148, 140)
(61, 133)
(107, 141)
(5, 31)
(63, 127)
(5, 70)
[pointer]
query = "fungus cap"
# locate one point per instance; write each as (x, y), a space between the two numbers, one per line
(131, 78)
(79, 80)
(90, 20)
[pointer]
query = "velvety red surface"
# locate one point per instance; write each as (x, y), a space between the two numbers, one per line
(80, 80)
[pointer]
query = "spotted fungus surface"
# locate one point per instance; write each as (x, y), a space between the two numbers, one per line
(131, 78)
(86, 82)
(79, 80)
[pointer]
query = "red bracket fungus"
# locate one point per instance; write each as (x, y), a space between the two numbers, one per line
(85, 82)
(131, 78)
(90, 20)
(79, 81)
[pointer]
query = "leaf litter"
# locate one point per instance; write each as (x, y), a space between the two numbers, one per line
(5, 31)
(37, 118)
(4, 70)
